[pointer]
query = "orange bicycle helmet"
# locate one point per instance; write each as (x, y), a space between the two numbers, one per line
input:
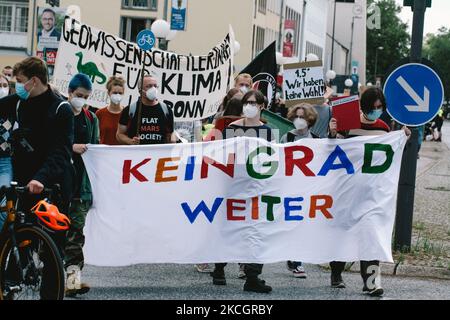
(50, 216)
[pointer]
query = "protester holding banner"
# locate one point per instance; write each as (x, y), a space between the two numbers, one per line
(372, 106)
(147, 121)
(85, 132)
(250, 125)
(304, 116)
(109, 117)
(243, 82)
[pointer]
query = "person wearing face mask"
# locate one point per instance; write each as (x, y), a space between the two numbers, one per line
(148, 121)
(44, 133)
(243, 82)
(249, 126)
(85, 132)
(109, 117)
(372, 106)
(303, 116)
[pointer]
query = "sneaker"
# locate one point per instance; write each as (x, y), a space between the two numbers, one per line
(337, 282)
(257, 285)
(299, 272)
(241, 273)
(84, 288)
(204, 268)
(73, 281)
(375, 292)
(218, 278)
(290, 266)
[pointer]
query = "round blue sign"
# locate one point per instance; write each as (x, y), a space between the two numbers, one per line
(146, 40)
(414, 94)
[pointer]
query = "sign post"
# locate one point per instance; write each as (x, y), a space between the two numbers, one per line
(417, 100)
(145, 40)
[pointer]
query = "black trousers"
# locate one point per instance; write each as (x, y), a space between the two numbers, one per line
(338, 266)
(252, 270)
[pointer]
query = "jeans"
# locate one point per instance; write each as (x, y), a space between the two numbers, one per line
(6, 173)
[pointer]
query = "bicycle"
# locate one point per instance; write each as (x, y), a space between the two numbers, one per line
(31, 266)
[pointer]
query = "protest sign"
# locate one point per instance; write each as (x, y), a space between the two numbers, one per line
(346, 112)
(192, 86)
(303, 82)
(243, 200)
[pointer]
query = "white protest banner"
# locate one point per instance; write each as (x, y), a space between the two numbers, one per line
(193, 86)
(243, 200)
(303, 82)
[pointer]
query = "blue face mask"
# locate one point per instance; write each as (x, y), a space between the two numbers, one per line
(21, 91)
(374, 115)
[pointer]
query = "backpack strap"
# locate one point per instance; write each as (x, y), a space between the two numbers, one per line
(89, 115)
(132, 109)
(290, 137)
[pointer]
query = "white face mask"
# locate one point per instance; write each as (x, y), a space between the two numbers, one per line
(152, 93)
(250, 111)
(300, 124)
(78, 103)
(244, 89)
(4, 92)
(116, 98)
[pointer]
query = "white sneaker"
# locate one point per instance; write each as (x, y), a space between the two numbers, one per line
(241, 273)
(73, 281)
(204, 268)
(299, 272)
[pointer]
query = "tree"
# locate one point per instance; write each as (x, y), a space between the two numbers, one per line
(437, 49)
(392, 35)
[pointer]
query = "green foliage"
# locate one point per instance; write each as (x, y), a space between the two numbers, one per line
(437, 49)
(393, 37)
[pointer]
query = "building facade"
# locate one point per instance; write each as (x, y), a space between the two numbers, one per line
(256, 23)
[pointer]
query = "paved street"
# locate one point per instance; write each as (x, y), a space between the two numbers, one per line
(184, 282)
(170, 281)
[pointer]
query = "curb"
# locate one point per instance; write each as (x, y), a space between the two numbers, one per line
(388, 269)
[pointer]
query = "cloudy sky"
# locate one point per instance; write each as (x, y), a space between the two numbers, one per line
(435, 17)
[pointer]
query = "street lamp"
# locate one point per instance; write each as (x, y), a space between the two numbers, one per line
(330, 75)
(161, 30)
(311, 57)
(279, 58)
(376, 62)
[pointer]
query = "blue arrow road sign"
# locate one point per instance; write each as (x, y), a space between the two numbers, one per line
(146, 40)
(414, 94)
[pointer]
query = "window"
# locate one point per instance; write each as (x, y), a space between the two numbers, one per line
(130, 27)
(140, 4)
(313, 48)
(262, 6)
(13, 17)
(259, 40)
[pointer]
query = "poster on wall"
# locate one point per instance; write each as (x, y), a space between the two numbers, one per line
(178, 17)
(50, 21)
(289, 38)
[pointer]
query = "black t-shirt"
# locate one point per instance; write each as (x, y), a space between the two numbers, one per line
(262, 131)
(155, 125)
(81, 136)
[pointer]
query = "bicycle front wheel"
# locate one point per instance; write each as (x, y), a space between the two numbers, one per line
(40, 273)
